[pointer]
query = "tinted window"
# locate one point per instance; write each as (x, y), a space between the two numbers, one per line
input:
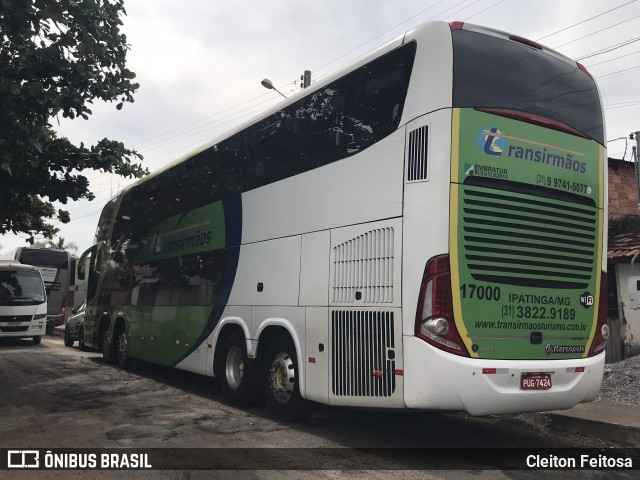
(492, 72)
(45, 258)
(355, 111)
(333, 123)
(102, 232)
(187, 280)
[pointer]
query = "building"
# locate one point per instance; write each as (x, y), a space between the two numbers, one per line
(623, 247)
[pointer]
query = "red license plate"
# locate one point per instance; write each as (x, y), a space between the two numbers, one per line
(535, 381)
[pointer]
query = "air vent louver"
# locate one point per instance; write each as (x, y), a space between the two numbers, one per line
(363, 343)
(417, 154)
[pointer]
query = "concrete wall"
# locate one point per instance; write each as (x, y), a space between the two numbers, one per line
(629, 316)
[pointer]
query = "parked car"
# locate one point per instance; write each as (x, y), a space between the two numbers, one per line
(74, 327)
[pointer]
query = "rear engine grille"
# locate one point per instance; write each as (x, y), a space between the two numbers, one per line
(518, 234)
(363, 355)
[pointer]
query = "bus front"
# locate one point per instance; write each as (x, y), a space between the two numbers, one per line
(514, 314)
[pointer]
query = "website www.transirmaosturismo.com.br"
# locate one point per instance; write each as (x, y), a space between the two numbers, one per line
(320, 459)
(531, 326)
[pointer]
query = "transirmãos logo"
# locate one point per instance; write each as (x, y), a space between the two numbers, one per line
(198, 239)
(493, 142)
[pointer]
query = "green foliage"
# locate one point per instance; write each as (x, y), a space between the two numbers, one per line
(57, 57)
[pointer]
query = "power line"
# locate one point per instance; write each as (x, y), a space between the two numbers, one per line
(482, 11)
(199, 120)
(380, 35)
(624, 70)
(426, 20)
(584, 21)
(609, 49)
(204, 128)
(612, 59)
(598, 31)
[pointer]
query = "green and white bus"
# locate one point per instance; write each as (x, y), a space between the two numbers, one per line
(424, 230)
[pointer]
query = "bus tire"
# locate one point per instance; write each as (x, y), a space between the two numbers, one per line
(68, 341)
(122, 348)
(238, 376)
(37, 340)
(81, 345)
(280, 381)
(107, 347)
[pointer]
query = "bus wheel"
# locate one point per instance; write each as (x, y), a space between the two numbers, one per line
(280, 381)
(108, 350)
(122, 346)
(81, 345)
(37, 340)
(238, 379)
(68, 341)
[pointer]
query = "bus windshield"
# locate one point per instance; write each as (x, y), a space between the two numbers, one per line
(495, 73)
(21, 288)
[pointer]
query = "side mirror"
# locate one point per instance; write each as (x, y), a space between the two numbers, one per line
(82, 262)
(47, 291)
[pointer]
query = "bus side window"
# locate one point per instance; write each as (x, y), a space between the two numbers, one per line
(322, 134)
(274, 148)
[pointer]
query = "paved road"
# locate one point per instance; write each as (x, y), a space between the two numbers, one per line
(58, 397)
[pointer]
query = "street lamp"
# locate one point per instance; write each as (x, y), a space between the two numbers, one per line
(266, 83)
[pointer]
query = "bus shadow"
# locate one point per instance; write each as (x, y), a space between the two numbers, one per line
(373, 428)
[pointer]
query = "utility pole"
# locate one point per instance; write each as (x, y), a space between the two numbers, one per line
(634, 155)
(305, 79)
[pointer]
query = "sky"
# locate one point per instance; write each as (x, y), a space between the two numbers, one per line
(199, 64)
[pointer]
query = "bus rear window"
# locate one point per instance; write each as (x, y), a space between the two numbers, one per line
(45, 258)
(492, 72)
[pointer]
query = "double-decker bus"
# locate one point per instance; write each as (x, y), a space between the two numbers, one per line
(423, 229)
(55, 267)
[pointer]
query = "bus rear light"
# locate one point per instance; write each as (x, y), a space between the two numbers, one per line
(525, 41)
(489, 371)
(583, 68)
(456, 25)
(602, 328)
(579, 369)
(435, 322)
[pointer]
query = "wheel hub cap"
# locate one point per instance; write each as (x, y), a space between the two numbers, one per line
(282, 377)
(234, 367)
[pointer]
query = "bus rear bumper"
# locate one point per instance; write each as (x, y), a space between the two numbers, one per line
(436, 380)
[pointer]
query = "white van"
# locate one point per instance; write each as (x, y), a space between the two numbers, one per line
(23, 301)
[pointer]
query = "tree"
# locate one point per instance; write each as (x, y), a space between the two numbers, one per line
(57, 57)
(62, 244)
